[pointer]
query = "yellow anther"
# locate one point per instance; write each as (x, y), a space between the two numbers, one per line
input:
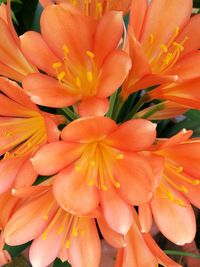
(117, 185)
(180, 202)
(99, 8)
(119, 156)
(164, 48)
(184, 189)
(61, 76)
(8, 134)
(92, 163)
(90, 54)
(176, 31)
(178, 46)
(151, 38)
(104, 187)
(195, 182)
(6, 155)
(78, 81)
(45, 217)
(89, 76)
(90, 182)
(74, 232)
(168, 58)
(77, 168)
(44, 236)
(65, 49)
(60, 230)
(56, 65)
(67, 244)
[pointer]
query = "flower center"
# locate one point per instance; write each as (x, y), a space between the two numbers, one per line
(77, 79)
(22, 135)
(167, 55)
(97, 163)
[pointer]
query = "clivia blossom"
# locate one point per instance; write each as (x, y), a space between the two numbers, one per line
(13, 63)
(98, 162)
(55, 232)
(83, 69)
(162, 45)
(23, 129)
(141, 250)
(179, 186)
(94, 8)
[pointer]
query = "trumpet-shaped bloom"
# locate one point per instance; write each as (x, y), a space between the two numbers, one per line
(163, 45)
(141, 250)
(54, 230)
(13, 63)
(94, 8)
(23, 129)
(98, 161)
(84, 68)
(179, 187)
(185, 93)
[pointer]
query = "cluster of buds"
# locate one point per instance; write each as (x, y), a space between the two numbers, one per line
(95, 148)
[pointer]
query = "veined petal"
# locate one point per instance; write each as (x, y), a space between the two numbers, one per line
(53, 157)
(37, 51)
(136, 184)
(53, 132)
(191, 31)
(125, 137)
(158, 19)
(87, 129)
(145, 217)
(170, 218)
(137, 15)
(86, 250)
(114, 70)
(93, 106)
(107, 35)
(117, 213)
(79, 198)
(47, 91)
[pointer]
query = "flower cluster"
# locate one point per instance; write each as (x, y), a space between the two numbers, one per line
(71, 113)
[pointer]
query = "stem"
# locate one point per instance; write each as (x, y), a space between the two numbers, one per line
(181, 253)
(151, 111)
(70, 114)
(138, 105)
(113, 99)
(117, 108)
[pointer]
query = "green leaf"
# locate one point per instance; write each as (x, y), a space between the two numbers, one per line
(59, 263)
(16, 250)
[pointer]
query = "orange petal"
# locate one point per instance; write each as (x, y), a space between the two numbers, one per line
(133, 135)
(53, 157)
(158, 19)
(66, 21)
(47, 91)
(87, 129)
(145, 217)
(72, 192)
(187, 67)
(170, 219)
(191, 31)
(93, 107)
(135, 182)
(85, 250)
(113, 238)
(108, 34)
(114, 70)
(37, 51)
(117, 213)
(45, 3)
(39, 250)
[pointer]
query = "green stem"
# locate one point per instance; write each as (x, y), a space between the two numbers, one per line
(70, 113)
(138, 105)
(113, 99)
(182, 253)
(117, 108)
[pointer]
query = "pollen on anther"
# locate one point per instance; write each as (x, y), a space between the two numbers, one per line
(89, 76)
(56, 65)
(66, 49)
(61, 76)
(90, 54)
(120, 156)
(77, 168)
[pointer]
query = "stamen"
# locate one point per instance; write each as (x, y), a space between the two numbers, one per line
(78, 82)
(164, 48)
(61, 76)
(151, 39)
(56, 65)
(99, 9)
(90, 54)
(119, 156)
(89, 76)
(65, 49)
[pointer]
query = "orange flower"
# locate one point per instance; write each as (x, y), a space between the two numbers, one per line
(141, 250)
(185, 93)
(163, 45)
(13, 64)
(94, 8)
(54, 230)
(179, 187)
(99, 162)
(86, 67)
(23, 129)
